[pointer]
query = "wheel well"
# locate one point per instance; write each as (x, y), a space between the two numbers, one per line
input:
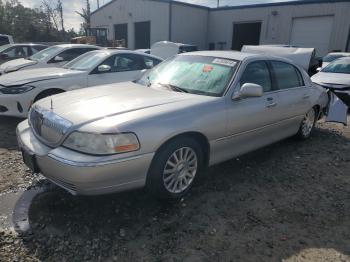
(199, 137)
(318, 111)
(48, 92)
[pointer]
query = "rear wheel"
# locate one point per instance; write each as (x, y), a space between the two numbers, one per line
(308, 124)
(175, 168)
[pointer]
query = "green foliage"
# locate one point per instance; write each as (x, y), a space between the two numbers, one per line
(27, 24)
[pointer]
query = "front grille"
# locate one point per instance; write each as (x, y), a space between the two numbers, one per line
(47, 125)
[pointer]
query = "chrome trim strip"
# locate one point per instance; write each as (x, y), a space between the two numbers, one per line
(94, 164)
(256, 129)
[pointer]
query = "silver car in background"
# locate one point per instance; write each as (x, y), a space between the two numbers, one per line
(192, 111)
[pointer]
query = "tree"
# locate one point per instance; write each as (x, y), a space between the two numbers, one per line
(86, 15)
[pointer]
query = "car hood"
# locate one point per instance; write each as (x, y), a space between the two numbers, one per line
(331, 78)
(36, 75)
(16, 64)
(92, 104)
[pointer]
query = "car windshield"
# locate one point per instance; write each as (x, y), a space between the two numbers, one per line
(87, 61)
(4, 47)
(331, 58)
(48, 52)
(341, 66)
(192, 74)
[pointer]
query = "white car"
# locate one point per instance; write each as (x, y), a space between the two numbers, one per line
(336, 77)
(19, 90)
(333, 56)
(54, 56)
(166, 49)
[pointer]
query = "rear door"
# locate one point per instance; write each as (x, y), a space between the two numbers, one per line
(293, 95)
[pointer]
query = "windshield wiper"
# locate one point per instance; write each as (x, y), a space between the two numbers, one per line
(174, 88)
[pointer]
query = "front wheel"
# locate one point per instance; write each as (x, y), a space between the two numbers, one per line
(175, 168)
(308, 124)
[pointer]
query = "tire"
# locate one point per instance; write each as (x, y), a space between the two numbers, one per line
(175, 168)
(307, 125)
(47, 93)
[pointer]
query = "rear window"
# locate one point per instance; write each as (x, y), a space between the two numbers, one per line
(4, 40)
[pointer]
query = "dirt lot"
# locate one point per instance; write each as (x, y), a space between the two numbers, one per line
(286, 202)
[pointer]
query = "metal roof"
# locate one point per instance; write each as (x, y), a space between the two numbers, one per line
(292, 2)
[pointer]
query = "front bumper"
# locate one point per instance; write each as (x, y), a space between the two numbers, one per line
(14, 105)
(83, 174)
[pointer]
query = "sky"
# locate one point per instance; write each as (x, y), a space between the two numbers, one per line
(73, 20)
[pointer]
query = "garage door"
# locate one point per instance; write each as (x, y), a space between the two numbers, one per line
(312, 32)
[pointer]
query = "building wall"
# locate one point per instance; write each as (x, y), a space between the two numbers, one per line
(190, 25)
(276, 29)
(131, 11)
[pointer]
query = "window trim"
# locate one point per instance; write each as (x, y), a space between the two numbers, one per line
(297, 71)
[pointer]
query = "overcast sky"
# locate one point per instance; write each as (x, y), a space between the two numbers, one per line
(72, 20)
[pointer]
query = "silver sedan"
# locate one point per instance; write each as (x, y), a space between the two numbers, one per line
(160, 132)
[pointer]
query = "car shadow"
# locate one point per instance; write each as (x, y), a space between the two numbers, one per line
(8, 126)
(268, 205)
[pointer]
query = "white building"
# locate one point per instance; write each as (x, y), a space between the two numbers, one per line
(323, 24)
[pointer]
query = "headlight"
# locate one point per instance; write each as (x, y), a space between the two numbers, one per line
(102, 144)
(13, 90)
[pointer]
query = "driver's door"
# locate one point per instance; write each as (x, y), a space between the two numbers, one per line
(123, 68)
(253, 121)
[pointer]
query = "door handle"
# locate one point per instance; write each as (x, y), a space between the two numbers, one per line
(306, 96)
(273, 104)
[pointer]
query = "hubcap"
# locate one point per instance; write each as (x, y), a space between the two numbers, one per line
(180, 170)
(308, 122)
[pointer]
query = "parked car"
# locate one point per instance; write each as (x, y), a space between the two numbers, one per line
(336, 76)
(16, 51)
(5, 39)
(166, 49)
(54, 56)
(199, 109)
(333, 56)
(19, 90)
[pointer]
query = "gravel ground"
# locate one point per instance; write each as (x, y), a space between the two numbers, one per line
(287, 202)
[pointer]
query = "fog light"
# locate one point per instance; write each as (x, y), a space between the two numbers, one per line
(19, 107)
(3, 109)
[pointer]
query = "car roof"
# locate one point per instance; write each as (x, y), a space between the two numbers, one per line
(124, 51)
(27, 44)
(339, 53)
(235, 55)
(76, 45)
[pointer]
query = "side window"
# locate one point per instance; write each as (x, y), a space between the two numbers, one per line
(150, 62)
(70, 54)
(287, 76)
(127, 62)
(257, 73)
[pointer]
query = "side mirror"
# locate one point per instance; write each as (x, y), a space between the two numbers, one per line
(58, 59)
(318, 69)
(248, 90)
(149, 64)
(104, 68)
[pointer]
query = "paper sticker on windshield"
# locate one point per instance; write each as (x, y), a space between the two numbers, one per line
(207, 68)
(226, 62)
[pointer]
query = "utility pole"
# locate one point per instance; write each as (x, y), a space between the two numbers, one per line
(98, 4)
(218, 3)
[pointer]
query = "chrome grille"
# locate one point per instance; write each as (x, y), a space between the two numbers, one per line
(47, 125)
